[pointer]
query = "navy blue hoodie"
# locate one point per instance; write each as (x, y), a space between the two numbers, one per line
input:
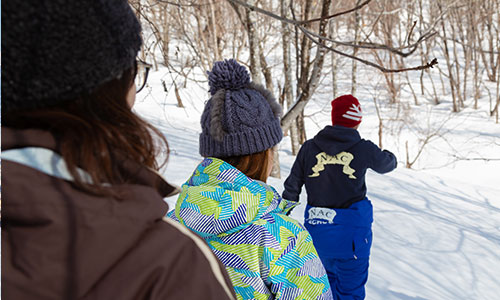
(333, 165)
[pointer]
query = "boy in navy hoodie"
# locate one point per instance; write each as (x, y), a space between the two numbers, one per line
(338, 214)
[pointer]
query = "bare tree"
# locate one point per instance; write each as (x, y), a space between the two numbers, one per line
(308, 89)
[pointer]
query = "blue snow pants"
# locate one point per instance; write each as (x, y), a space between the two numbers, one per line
(347, 277)
(343, 239)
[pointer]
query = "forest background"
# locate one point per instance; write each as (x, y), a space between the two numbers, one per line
(427, 74)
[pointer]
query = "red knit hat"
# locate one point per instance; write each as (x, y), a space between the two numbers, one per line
(346, 111)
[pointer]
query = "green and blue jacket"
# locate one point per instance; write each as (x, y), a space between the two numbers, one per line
(267, 254)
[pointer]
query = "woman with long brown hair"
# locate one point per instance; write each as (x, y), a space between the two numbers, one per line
(267, 254)
(82, 211)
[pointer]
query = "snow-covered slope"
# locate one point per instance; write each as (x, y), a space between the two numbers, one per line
(436, 231)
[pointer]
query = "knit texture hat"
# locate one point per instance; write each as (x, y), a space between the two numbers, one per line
(241, 117)
(346, 111)
(54, 51)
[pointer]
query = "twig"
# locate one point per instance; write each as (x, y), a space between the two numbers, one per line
(408, 37)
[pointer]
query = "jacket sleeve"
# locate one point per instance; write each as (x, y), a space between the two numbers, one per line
(381, 161)
(293, 184)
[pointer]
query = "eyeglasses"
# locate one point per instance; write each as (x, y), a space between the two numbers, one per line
(141, 77)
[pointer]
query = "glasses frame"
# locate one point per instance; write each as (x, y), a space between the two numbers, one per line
(147, 67)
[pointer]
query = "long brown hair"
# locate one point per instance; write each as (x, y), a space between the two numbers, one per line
(97, 132)
(254, 165)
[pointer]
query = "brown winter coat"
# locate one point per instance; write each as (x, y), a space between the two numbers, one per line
(61, 243)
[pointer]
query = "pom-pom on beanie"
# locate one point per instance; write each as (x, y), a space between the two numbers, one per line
(241, 117)
(346, 111)
(55, 51)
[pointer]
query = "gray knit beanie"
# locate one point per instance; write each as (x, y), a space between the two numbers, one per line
(241, 118)
(57, 50)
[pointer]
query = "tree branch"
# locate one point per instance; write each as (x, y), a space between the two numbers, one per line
(475, 158)
(312, 35)
(369, 63)
(265, 12)
(375, 46)
(183, 5)
(337, 14)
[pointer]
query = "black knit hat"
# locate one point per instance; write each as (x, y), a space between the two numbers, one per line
(57, 50)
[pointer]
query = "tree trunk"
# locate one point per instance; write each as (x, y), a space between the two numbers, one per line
(266, 70)
(457, 79)
(276, 171)
(287, 65)
(215, 42)
(165, 34)
(301, 128)
(448, 64)
(357, 21)
(334, 65)
(495, 110)
(253, 43)
(177, 95)
(380, 123)
(408, 164)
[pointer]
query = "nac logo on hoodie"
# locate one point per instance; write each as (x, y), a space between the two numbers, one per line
(342, 158)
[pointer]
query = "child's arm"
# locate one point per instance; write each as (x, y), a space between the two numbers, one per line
(295, 181)
(382, 161)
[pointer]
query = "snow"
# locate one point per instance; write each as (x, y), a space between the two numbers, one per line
(436, 227)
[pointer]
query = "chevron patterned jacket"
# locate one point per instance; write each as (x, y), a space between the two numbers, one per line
(267, 254)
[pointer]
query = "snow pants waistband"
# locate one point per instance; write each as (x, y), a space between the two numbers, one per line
(359, 214)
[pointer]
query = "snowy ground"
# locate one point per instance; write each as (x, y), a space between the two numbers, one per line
(436, 229)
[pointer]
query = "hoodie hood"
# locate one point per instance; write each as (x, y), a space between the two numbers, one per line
(335, 139)
(218, 200)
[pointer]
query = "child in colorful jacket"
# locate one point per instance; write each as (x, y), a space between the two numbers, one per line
(338, 214)
(267, 254)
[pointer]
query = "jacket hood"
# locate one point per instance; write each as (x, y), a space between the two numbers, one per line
(48, 218)
(335, 139)
(218, 199)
